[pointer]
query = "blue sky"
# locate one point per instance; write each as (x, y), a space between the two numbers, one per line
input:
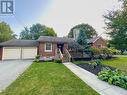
(61, 15)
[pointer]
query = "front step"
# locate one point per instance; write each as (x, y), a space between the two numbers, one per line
(65, 59)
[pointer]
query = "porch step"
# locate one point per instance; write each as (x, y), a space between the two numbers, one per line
(65, 59)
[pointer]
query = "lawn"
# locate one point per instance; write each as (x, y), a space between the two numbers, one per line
(48, 78)
(120, 63)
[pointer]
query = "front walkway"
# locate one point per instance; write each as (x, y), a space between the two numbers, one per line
(100, 86)
(10, 70)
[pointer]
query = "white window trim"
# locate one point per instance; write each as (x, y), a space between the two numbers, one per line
(48, 50)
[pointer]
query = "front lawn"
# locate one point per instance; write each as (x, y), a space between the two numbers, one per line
(120, 63)
(48, 79)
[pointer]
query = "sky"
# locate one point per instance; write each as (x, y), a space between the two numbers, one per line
(61, 15)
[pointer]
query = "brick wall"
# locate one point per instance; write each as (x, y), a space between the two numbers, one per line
(1, 51)
(100, 43)
(47, 54)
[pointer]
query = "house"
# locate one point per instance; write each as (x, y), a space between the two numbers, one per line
(53, 47)
(98, 42)
(95, 42)
(46, 46)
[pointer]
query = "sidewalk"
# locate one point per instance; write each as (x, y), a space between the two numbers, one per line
(90, 79)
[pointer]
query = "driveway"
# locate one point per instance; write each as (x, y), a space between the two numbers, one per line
(10, 70)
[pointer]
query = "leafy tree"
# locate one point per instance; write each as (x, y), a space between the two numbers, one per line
(116, 22)
(5, 32)
(89, 30)
(82, 40)
(36, 31)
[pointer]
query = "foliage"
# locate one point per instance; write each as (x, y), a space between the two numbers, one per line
(116, 22)
(110, 51)
(36, 31)
(96, 51)
(98, 62)
(95, 63)
(82, 40)
(5, 32)
(58, 61)
(115, 51)
(106, 51)
(37, 58)
(113, 77)
(89, 30)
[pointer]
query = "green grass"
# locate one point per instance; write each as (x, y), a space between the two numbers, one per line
(120, 63)
(48, 79)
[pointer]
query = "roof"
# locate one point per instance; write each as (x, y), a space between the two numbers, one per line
(92, 40)
(74, 45)
(54, 39)
(19, 43)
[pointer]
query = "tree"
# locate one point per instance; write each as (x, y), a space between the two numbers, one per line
(116, 25)
(5, 32)
(36, 31)
(89, 30)
(82, 40)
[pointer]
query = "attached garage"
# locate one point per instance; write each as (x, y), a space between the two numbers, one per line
(11, 53)
(19, 49)
(29, 52)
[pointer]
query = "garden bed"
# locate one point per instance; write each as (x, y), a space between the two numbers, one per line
(92, 69)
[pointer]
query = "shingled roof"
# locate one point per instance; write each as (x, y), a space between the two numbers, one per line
(54, 39)
(19, 43)
(92, 40)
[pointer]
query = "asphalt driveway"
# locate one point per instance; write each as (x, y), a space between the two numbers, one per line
(10, 70)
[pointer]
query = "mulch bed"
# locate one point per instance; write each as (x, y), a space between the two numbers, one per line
(93, 70)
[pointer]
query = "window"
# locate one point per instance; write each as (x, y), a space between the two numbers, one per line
(48, 47)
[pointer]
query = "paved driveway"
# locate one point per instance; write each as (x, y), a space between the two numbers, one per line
(10, 70)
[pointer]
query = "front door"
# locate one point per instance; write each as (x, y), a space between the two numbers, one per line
(60, 46)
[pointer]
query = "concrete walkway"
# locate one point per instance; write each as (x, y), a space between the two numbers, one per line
(10, 70)
(101, 87)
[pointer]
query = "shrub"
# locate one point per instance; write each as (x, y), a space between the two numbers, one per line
(115, 51)
(98, 62)
(96, 51)
(37, 58)
(58, 61)
(107, 51)
(95, 63)
(113, 77)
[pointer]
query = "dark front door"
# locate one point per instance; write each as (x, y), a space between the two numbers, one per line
(60, 46)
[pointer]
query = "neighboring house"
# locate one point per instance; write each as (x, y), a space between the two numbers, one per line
(46, 46)
(98, 42)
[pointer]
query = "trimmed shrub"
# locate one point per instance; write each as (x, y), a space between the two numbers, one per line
(96, 51)
(37, 58)
(58, 61)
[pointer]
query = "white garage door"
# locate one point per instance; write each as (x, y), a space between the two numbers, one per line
(19, 53)
(29, 52)
(11, 53)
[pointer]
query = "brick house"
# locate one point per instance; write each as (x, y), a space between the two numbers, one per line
(46, 46)
(98, 42)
